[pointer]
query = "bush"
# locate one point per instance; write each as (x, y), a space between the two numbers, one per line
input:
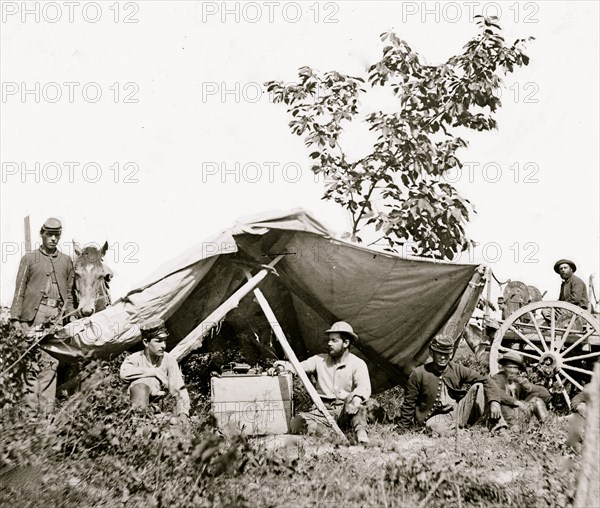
(19, 358)
(94, 449)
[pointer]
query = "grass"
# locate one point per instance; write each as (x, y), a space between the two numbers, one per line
(523, 468)
(471, 469)
(93, 451)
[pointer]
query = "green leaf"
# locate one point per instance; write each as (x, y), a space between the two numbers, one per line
(416, 143)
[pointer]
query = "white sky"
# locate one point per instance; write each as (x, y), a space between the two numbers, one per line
(180, 52)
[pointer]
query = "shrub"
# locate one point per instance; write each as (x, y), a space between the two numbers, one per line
(19, 359)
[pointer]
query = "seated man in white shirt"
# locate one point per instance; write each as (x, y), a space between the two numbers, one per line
(343, 384)
(152, 372)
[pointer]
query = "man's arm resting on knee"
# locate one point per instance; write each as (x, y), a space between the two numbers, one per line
(354, 403)
(490, 388)
(183, 402)
(176, 385)
(362, 382)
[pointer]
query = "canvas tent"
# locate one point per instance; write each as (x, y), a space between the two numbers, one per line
(395, 305)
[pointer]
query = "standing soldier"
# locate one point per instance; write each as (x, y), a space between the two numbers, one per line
(44, 290)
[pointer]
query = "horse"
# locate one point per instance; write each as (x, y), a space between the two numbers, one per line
(92, 278)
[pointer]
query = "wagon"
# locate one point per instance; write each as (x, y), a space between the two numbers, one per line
(558, 341)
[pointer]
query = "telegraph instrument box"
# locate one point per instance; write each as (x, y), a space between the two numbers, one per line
(255, 404)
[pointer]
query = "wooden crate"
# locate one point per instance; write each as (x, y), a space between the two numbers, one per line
(257, 405)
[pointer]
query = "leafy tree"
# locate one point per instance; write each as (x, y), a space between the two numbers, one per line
(399, 188)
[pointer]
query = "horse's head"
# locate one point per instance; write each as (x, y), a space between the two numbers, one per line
(91, 279)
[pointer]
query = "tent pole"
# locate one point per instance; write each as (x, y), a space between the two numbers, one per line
(27, 234)
(193, 340)
(289, 352)
(488, 280)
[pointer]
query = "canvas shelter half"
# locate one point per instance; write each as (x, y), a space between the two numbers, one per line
(395, 305)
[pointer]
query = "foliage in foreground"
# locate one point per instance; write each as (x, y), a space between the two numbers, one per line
(94, 451)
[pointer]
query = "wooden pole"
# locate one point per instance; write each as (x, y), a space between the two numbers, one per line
(592, 300)
(194, 339)
(291, 356)
(488, 295)
(27, 234)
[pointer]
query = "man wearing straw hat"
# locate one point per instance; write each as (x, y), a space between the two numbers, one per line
(343, 384)
(43, 292)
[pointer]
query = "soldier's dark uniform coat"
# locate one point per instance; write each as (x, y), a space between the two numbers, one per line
(424, 388)
(574, 290)
(32, 279)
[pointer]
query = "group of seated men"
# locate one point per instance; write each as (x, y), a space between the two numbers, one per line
(434, 397)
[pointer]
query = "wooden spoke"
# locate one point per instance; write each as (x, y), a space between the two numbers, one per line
(582, 357)
(552, 326)
(512, 328)
(577, 369)
(567, 332)
(575, 383)
(537, 329)
(557, 338)
(522, 353)
(578, 341)
(564, 391)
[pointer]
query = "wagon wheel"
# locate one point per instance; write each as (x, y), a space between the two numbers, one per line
(564, 348)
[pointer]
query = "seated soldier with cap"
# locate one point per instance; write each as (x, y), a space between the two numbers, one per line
(436, 399)
(152, 371)
(520, 397)
(343, 384)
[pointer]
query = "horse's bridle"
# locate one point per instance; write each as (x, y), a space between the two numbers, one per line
(102, 288)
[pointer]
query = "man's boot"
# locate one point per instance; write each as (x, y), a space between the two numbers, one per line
(539, 409)
(361, 436)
